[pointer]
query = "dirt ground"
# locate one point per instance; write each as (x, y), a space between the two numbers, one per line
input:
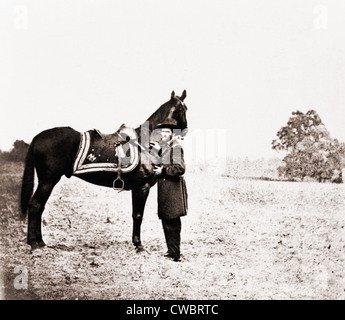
(242, 239)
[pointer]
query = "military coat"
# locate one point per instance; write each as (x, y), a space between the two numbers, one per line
(172, 190)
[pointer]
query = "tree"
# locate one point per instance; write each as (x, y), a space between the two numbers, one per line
(311, 152)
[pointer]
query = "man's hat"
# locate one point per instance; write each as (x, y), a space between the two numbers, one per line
(168, 123)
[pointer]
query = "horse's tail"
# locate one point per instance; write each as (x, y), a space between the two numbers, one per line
(28, 181)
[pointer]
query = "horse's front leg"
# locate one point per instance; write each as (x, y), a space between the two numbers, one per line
(139, 197)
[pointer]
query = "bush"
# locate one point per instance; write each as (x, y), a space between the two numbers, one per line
(17, 153)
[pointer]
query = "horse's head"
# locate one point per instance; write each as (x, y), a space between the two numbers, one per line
(178, 111)
(175, 108)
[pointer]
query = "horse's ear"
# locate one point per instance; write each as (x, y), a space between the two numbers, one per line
(184, 95)
(173, 95)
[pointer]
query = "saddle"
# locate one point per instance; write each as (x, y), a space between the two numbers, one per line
(107, 152)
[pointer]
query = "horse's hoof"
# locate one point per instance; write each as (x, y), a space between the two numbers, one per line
(34, 246)
(140, 248)
(41, 244)
(37, 245)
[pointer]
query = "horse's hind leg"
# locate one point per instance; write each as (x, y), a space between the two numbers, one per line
(36, 207)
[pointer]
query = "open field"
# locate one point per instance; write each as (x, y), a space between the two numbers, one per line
(241, 239)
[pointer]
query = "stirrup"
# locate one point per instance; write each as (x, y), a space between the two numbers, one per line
(118, 184)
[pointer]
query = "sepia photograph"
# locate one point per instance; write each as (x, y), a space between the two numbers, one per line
(186, 151)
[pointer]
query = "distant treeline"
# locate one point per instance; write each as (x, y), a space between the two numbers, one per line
(17, 153)
(259, 168)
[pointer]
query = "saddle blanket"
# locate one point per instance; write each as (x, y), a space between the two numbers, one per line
(104, 152)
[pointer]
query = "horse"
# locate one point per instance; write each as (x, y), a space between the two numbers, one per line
(52, 153)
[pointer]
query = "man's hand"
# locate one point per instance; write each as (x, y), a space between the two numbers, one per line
(157, 170)
(155, 145)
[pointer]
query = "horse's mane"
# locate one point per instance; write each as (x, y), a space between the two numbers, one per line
(160, 114)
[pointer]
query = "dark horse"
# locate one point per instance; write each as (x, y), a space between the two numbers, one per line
(52, 153)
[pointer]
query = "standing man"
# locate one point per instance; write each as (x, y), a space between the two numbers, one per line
(172, 192)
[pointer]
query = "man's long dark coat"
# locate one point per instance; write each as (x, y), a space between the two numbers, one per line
(172, 191)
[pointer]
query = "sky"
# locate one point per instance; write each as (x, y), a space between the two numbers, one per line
(246, 66)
